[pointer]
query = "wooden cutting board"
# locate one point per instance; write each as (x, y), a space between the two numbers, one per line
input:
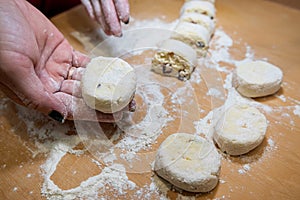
(273, 32)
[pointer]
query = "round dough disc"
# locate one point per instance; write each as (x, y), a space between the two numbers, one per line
(108, 84)
(189, 162)
(240, 129)
(257, 79)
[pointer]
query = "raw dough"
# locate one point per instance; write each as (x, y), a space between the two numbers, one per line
(240, 129)
(108, 84)
(201, 19)
(257, 79)
(195, 35)
(202, 7)
(176, 59)
(189, 162)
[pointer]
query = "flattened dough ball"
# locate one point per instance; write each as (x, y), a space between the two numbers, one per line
(240, 129)
(108, 84)
(257, 79)
(189, 162)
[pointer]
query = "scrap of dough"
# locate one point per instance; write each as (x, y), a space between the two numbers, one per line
(175, 59)
(202, 7)
(189, 162)
(195, 35)
(257, 79)
(201, 19)
(240, 129)
(108, 84)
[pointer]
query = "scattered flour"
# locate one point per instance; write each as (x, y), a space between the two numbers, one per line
(214, 92)
(245, 169)
(51, 139)
(297, 110)
(281, 97)
(142, 135)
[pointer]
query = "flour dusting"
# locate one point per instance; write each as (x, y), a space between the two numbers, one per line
(51, 139)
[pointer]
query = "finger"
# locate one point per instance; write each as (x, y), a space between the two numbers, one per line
(79, 59)
(54, 112)
(111, 17)
(78, 110)
(89, 8)
(71, 87)
(122, 8)
(10, 94)
(75, 73)
(131, 107)
(99, 16)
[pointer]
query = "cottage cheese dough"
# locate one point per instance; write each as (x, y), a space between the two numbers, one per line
(195, 35)
(189, 162)
(202, 7)
(108, 84)
(257, 79)
(175, 59)
(201, 19)
(240, 129)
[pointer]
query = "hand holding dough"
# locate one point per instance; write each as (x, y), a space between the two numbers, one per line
(108, 84)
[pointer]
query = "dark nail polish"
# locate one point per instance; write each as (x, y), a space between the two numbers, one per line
(126, 22)
(56, 116)
(132, 106)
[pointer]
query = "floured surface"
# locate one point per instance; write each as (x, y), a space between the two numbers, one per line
(41, 156)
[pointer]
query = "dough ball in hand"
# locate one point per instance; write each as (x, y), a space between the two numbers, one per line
(108, 84)
(189, 162)
(257, 79)
(240, 129)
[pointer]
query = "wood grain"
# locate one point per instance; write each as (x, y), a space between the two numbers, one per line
(271, 29)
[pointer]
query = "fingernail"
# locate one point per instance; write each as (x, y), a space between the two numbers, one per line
(132, 106)
(127, 22)
(118, 34)
(56, 116)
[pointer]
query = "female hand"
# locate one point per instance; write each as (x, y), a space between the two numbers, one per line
(108, 13)
(38, 67)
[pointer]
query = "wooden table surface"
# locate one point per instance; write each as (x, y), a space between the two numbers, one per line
(271, 29)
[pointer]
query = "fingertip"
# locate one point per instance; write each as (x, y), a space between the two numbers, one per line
(118, 116)
(107, 32)
(126, 21)
(132, 106)
(116, 31)
(120, 34)
(57, 109)
(80, 59)
(57, 116)
(91, 15)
